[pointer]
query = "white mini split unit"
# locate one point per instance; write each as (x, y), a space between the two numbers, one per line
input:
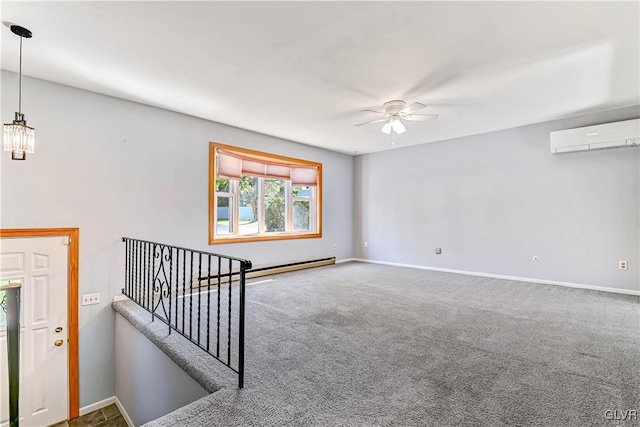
(597, 137)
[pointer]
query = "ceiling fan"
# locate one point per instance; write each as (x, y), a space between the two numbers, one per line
(395, 112)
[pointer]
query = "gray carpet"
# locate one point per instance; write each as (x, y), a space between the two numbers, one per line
(369, 345)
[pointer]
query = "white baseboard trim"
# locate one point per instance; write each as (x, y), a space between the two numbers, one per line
(98, 405)
(124, 412)
(340, 261)
(500, 276)
(106, 402)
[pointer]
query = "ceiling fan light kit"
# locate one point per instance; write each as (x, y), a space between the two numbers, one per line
(395, 112)
(397, 126)
(18, 137)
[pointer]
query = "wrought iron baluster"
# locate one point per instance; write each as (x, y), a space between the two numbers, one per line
(168, 315)
(219, 282)
(127, 262)
(132, 261)
(147, 301)
(228, 323)
(208, 300)
(243, 267)
(146, 274)
(199, 293)
(148, 284)
(142, 272)
(137, 293)
(153, 281)
(191, 299)
(177, 279)
(184, 290)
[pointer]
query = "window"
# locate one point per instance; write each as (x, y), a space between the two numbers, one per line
(259, 196)
(3, 302)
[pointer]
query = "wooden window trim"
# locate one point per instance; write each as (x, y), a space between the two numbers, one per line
(72, 304)
(267, 158)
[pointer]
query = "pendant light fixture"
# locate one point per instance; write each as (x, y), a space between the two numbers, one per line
(18, 137)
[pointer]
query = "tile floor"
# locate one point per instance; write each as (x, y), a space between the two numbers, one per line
(109, 416)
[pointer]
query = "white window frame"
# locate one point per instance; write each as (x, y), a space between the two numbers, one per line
(232, 216)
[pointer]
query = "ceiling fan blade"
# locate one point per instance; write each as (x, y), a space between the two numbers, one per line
(416, 106)
(381, 113)
(421, 117)
(373, 121)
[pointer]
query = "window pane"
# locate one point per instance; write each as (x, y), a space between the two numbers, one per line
(3, 315)
(274, 205)
(222, 185)
(301, 215)
(301, 192)
(248, 215)
(224, 218)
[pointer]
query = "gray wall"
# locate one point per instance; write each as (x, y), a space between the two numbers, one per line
(148, 383)
(495, 200)
(153, 186)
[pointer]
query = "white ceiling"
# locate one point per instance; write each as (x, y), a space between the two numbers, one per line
(303, 71)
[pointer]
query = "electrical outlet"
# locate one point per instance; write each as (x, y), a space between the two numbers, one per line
(438, 251)
(366, 245)
(334, 246)
(90, 299)
(622, 265)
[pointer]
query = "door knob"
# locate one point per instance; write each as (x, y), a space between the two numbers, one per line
(58, 329)
(58, 343)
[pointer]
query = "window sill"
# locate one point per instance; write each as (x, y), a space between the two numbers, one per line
(241, 239)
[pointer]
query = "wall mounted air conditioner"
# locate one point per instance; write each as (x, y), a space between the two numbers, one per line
(608, 135)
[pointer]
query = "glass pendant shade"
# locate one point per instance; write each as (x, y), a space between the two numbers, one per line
(398, 127)
(386, 128)
(19, 138)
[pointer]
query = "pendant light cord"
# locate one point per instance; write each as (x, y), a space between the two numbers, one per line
(20, 81)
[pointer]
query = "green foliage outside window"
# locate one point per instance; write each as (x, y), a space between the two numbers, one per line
(274, 198)
(274, 201)
(249, 195)
(222, 185)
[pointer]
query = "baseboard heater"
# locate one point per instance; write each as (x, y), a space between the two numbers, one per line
(284, 268)
(266, 271)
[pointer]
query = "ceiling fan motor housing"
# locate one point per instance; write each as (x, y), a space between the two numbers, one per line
(393, 107)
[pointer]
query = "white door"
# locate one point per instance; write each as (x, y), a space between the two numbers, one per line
(40, 264)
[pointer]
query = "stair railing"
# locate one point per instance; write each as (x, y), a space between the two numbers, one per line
(199, 295)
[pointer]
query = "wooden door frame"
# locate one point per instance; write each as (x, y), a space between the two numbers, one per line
(72, 305)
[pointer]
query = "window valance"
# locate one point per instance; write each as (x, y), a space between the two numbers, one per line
(233, 165)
